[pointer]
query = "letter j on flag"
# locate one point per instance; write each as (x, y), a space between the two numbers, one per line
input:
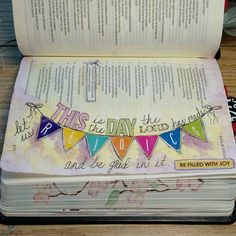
(95, 143)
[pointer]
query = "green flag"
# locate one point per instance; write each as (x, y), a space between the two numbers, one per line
(195, 129)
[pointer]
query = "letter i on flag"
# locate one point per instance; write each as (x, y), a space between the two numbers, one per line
(196, 129)
(47, 127)
(147, 143)
(172, 139)
(71, 138)
(95, 143)
(121, 145)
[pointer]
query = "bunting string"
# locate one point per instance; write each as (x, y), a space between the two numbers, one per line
(33, 109)
(121, 144)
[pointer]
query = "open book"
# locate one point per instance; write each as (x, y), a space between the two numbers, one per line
(118, 93)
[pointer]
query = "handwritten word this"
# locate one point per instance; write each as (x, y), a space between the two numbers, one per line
(70, 118)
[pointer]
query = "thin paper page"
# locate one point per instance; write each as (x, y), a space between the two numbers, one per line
(156, 28)
(146, 116)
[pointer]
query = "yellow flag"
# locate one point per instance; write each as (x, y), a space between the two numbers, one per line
(71, 138)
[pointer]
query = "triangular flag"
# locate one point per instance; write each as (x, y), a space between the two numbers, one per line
(71, 137)
(47, 127)
(95, 143)
(196, 129)
(121, 145)
(172, 138)
(147, 143)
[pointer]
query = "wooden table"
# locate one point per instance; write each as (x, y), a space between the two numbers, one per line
(8, 73)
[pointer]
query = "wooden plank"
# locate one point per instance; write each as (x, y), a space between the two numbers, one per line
(116, 230)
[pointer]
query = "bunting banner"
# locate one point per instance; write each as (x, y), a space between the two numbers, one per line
(47, 127)
(196, 129)
(147, 143)
(172, 139)
(121, 144)
(95, 143)
(71, 138)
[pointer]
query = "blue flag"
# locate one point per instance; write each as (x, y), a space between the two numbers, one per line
(47, 127)
(172, 138)
(95, 143)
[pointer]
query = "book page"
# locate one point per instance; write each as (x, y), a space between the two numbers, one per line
(105, 117)
(152, 28)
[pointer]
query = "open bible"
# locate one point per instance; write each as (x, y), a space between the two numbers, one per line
(118, 113)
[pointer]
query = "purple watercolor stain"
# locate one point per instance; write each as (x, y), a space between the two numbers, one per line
(196, 144)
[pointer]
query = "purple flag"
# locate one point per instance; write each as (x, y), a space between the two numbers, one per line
(47, 127)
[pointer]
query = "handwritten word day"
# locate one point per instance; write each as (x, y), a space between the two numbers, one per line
(119, 132)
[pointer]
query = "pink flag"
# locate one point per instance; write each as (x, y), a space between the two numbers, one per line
(147, 143)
